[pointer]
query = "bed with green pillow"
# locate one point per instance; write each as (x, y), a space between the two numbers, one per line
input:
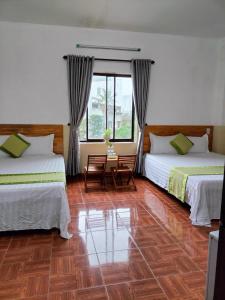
(193, 177)
(32, 189)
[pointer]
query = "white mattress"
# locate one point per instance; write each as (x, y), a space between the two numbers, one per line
(203, 193)
(37, 205)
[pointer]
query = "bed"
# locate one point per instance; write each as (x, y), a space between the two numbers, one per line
(203, 192)
(34, 205)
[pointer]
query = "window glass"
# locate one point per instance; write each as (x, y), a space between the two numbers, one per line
(110, 103)
(123, 107)
(97, 108)
(110, 106)
(82, 129)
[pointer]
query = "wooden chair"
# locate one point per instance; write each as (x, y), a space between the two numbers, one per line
(124, 169)
(96, 165)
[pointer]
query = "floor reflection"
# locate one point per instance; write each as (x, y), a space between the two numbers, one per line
(125, 245)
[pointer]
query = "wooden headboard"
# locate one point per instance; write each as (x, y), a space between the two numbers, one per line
(163, 130)
(37, 130)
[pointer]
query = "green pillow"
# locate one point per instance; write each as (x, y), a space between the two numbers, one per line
(181, 144)
(14, 145)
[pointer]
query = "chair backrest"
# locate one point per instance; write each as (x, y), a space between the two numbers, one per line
(97, 160)
(127, 160)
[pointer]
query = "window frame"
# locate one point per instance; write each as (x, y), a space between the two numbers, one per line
(113, 139)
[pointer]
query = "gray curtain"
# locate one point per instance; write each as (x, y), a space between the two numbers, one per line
(79, 72)
(140, 70)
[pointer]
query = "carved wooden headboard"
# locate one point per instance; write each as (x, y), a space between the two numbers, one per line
(37, 130)
(188, 130)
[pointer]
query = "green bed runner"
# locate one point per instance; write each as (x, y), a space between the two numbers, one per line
(178, 178)
(32, 178)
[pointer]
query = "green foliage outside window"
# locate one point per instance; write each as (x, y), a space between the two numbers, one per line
(109, 111)
(96, 126)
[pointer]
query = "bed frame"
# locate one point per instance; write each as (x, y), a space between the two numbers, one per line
(37, 130)
(164, 130)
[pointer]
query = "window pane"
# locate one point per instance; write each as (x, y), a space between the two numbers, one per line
(82, 129)
(97, 108)
(110, 103)
(101, 108)
(123, 108)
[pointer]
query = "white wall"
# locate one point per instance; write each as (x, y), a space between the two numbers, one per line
(33, 86)
(218, 103)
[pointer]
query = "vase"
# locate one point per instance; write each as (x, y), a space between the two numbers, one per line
(111, 151)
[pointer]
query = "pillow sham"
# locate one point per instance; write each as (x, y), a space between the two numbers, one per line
(161, 144)
(201, 144)
(15, 146)
(181, 144)
(3, 138)
(40, 145)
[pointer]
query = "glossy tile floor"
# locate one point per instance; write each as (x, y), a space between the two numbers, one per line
(126, 245)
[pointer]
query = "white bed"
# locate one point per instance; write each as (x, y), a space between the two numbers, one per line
(203, 193)
(37, 205)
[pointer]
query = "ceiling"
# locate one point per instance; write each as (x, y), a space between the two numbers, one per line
(202, 18)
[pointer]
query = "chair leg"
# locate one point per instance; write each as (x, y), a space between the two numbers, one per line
(129, 178)
(104, 181)
(114, 180)
(132, 178)
(85, 182)
(120, 180)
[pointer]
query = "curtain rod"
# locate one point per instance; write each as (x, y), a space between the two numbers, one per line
(112, 59)
(108, 47)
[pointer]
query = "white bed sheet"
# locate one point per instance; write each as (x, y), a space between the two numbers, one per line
(36, 205)
(203, 193)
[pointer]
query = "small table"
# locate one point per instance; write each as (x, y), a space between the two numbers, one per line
(114, 158)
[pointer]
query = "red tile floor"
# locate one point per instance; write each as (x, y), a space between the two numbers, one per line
(126, 245)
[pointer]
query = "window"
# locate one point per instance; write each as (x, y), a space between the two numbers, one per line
(110, 106)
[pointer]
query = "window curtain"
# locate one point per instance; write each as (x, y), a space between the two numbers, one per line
(140, 72)
(79, 72)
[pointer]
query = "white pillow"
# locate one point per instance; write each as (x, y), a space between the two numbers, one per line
(3, 138)
(161, 144)
(39, 145)
(201, 144)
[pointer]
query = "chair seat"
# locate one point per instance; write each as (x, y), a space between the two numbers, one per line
(121, 169)
(94, 169)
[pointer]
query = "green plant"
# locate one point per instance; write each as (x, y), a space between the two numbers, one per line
(123, 132)
(106, 135)
(96, 123)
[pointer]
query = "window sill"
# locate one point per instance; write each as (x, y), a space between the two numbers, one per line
(103, 143)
